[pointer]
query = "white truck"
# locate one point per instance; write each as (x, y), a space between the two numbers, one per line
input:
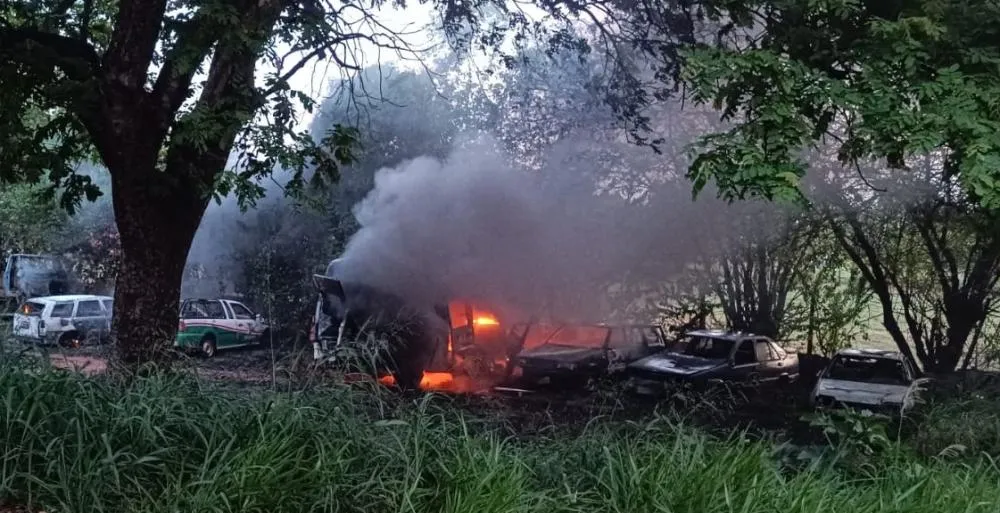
(69, 321)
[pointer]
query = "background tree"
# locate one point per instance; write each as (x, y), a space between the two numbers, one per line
(162, 93)
(29, 220)
(879, 82)
(760, 271)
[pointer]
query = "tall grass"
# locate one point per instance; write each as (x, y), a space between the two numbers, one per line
(73, 444)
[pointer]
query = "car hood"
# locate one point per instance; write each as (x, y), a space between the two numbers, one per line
(861, 393)
(677, 363)
(563, 354)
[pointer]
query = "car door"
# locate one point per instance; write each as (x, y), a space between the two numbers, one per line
(245, 321)
(89, 318)
(227, 326)
(785, 366)
(744, 366)
(769, 365)
(62, 313)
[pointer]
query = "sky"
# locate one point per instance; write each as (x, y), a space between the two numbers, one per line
(315, 80)
(415, 20)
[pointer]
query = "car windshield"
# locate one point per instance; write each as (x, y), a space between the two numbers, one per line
(537, 334)
(579, 336)
(41, 264)
(708, 347)
(882, 371)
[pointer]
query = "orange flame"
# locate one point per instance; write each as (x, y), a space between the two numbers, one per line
(486, 320)
(436, 381)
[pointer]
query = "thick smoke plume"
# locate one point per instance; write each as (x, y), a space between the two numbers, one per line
(474, 226)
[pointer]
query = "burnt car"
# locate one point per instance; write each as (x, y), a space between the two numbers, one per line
(574, 354)
(710, 356)
(867, 379)
(453, 336)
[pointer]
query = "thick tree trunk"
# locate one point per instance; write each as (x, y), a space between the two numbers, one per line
(157, 219)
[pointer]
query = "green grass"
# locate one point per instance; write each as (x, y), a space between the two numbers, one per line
(72, 444)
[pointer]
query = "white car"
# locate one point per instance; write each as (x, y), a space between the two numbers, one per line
(65, 320)
(868, 379)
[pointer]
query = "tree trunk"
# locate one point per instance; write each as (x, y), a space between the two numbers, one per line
(810, 323)
(157, 219)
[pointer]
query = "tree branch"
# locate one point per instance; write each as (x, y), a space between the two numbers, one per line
(133, 42)
(318, 52)
(88, 12)
(77, 59)
(194, 40)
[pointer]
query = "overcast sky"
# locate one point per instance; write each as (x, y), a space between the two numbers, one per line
(414, 20)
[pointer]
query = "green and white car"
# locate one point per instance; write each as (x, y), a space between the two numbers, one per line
(212, 324)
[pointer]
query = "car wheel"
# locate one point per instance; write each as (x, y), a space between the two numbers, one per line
(70, 340)
(208, 347)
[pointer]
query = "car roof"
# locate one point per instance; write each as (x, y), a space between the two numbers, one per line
(871, 353)
(727, 335)
(68, 297)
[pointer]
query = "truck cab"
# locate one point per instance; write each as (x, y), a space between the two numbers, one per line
(26, 276)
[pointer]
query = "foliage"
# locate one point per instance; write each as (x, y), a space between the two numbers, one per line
(759, 279)
(895, 80)
(899, 83)
(834, 300)
(959, 416)
(73, 444)
(275, 272)
(859, 434)
(95, 262)
(29, 220)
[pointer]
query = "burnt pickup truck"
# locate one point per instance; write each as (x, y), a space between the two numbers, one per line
(574, 354)
(710, 356)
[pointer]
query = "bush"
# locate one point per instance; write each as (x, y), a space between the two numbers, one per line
(165, 443)
(959, 414)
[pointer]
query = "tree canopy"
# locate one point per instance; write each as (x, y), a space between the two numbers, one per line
(879, 81)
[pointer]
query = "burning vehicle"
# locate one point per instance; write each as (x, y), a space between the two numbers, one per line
(419, 343)
(574, 354)
(710, 356)
(69, 321)
(26, 276)
(869, 379)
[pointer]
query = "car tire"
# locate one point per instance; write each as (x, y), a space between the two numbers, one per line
(70, 340)
(208, 347)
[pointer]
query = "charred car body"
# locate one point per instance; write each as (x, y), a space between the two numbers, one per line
(867, 379)
(446, 336)
(27, 276)
(573, 354)
(710, 356)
